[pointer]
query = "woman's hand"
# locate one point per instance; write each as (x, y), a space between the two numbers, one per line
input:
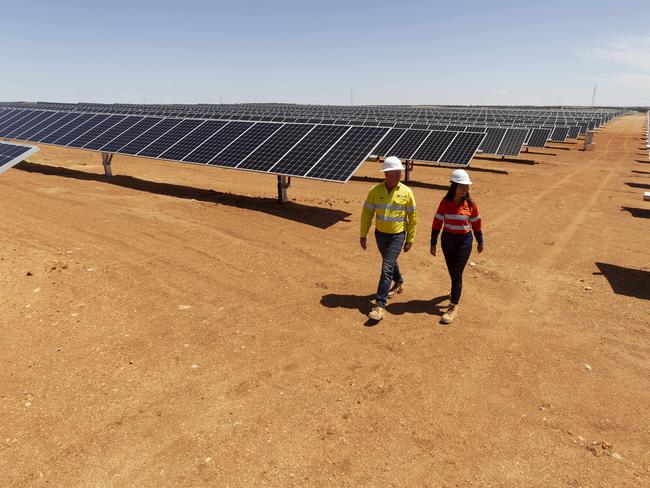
(479, 248)
(433, 250)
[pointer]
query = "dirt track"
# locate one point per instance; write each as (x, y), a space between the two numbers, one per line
(175, 326)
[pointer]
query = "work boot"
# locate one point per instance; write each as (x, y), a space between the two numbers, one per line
(397, 288)
(377, 313)
(449, 316)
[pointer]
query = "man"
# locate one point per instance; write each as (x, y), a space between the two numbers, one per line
(393, 205)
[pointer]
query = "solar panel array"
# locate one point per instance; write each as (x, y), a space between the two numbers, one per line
(470, 119)
(323, 152)
(321, 142)
(12, 154)
(457, 148)
(330, 152)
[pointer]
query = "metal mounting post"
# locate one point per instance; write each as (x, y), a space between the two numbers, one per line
(284, 182)
(408, 165)
(106, 160)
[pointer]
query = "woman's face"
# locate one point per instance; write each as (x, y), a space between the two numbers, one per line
(461, 191)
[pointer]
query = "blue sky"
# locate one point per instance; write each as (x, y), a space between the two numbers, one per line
(400, 52)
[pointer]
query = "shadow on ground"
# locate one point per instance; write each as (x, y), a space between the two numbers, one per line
(639, 213)
(429, 307)
(626, 281)
(305, 214)
(363, 303)
(508, 160)
(642, 186)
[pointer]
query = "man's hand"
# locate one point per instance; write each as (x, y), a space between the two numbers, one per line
(362, 241)
(433, 250)
(479, 248)
(407, 246)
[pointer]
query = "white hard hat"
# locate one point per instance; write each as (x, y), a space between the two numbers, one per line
(460, 176)
(392, 163)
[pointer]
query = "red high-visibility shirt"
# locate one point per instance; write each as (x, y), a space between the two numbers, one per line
(457, 219)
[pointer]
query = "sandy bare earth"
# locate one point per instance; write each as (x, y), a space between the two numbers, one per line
(176, 326)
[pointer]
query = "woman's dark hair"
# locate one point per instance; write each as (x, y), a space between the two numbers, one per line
(451, 193)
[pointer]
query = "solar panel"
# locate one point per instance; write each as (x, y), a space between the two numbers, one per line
(12, 154)
(217, 142)
(80, 129)
(9, 124)
(574, 131)
(512, 142)
(538, 137)
(492, 140)
(408, 143)
(279, 144)
(7, 115)
(434, 146)
(559, 134)
(110, 134)
(389, 141)
(462, 149)
(232, 155)
(309, 150)
(62, 129)
(342, 160)
(39, 133)
(32, 130)
(95, 131)
(25, 123)
(170, 138)
(148, 137)
(193, 140)
(438, 127)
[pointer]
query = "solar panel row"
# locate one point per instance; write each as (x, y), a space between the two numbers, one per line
(329, 152)
(449, 147)
(393, 116)
(12, 154)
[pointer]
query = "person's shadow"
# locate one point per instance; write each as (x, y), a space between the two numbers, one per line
(363, 303)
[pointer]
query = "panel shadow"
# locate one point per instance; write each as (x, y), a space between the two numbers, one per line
(642, 186)
(639, 213)
(297, 212)
(627, 281)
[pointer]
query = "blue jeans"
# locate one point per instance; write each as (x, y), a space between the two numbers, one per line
(390, 246)
(456, 248)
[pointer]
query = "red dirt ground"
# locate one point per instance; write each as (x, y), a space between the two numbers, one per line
(175, 326)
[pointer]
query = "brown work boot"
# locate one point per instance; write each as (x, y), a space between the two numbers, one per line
(449, 316)
(396, 289)
(377, 313)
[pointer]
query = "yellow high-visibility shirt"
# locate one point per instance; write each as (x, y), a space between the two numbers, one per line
(395, 211)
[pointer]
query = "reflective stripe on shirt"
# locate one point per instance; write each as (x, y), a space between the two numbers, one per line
(456, 217)
(457, 227)
(390, 219)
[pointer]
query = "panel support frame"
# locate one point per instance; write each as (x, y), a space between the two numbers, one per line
(409, 164)
(284, 182)
(107, 159)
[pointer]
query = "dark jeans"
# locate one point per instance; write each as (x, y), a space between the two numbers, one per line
(456, 248)
(389, 245)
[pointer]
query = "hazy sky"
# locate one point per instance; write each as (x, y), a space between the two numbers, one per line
(399, 52)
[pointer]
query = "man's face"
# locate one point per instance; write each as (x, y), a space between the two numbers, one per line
(392, 177)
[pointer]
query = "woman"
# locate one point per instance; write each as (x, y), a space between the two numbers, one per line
(460, 217)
